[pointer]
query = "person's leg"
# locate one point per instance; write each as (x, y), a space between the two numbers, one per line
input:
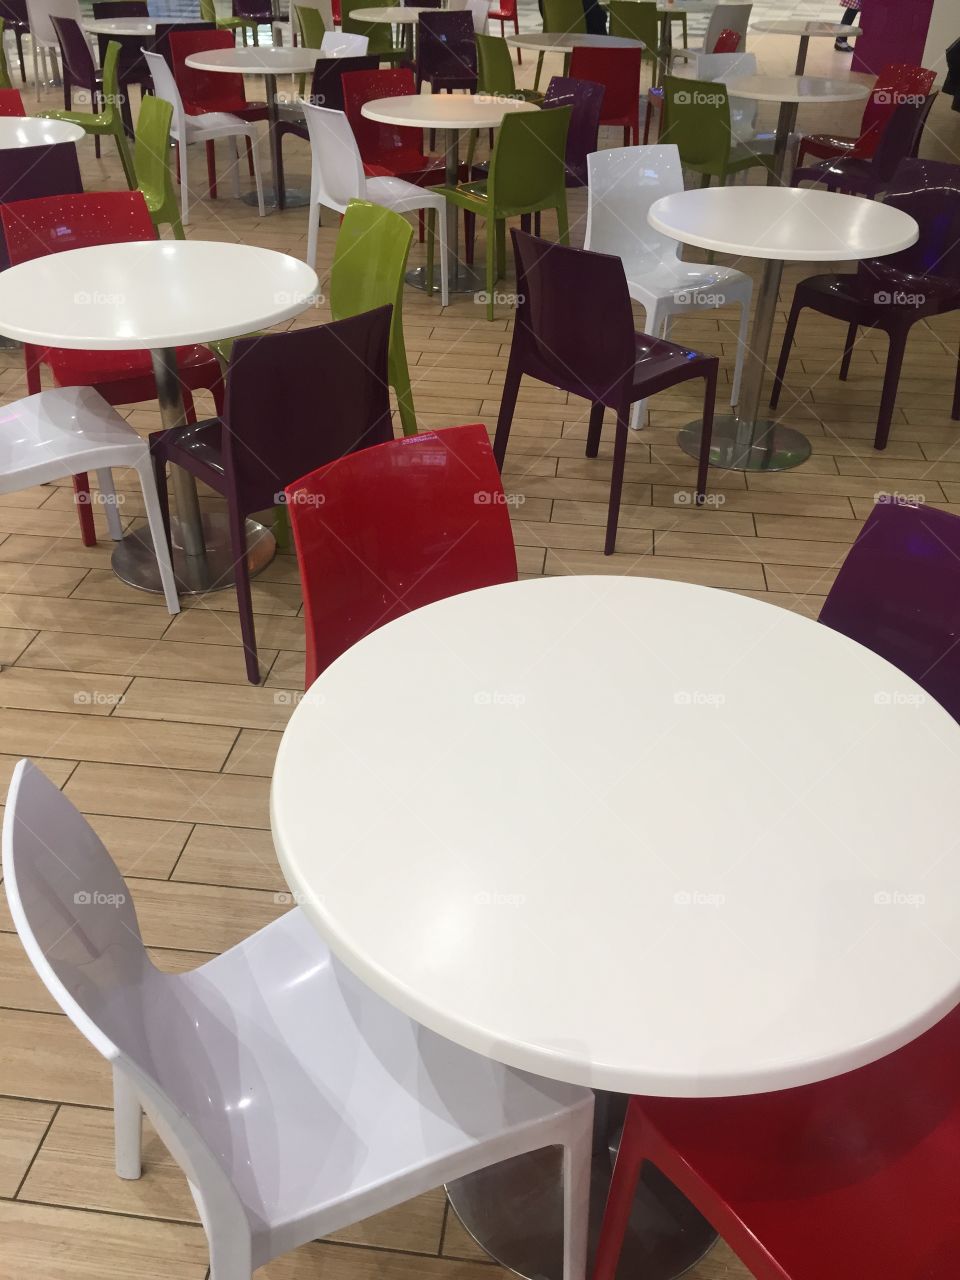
(843, 45)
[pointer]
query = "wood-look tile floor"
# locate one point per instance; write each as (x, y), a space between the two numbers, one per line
(148, 724)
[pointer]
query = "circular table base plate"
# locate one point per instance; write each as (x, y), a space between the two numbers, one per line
(736, 447)
(514, 1211)
(466, 280)
(294, 198)
(134, 561)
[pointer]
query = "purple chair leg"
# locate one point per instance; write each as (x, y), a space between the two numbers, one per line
(238, 546)
(848, 350)
(594, 428)
(891, 381)
(706, 435)
(508, 403)
(955, 411)
(616, 478)
(784, 354)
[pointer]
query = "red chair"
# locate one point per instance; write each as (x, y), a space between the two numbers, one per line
(389, 529)
(388, 150)
(852, 1177)
(52, 224)
(895, 84)
(507, 12)
(728, 41)
(618, 70)
(11, 104)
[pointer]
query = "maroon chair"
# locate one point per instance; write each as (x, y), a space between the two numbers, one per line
(390, 529)
(894, 292)
(259, 11)
(14, 15)
(294, 401)
(386, 149)
(79, 70)
(898, 593)
(574, 330)
(872, 175)
(446, 51)
(618, 70)
(586, 102)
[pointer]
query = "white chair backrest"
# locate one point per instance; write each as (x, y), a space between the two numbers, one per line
(622, 184)
(165, 87)
(457, 4)
(343, 44)
(721, 66)
(39, 13)
(325, 8)
(732, 17)
(337, 168)
(480, 10)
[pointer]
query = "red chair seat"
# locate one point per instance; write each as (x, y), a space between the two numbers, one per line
(827, 146)
(73, 368)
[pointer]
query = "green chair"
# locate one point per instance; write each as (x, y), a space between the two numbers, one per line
(312, 29)
(151, 162)
(208, 13)
(696, 119)
(527, 175)
(495, 74)
(369, 264)
(561, 16)
(5, 81)
(379, 34)
(638, 20)
(107, 122)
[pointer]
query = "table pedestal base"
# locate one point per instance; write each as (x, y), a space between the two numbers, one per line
(294, 198)
(463, 280)
(741, 446)
(134, 561)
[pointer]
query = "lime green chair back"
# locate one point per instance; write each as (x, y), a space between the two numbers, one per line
(526, 169)
(564, 16)
(379, 34)
(5, 81)
(208, 10)
(151, 161)
(369, 264)
(637, 20)
(107, 122)
(696, 119)
(495, 72)
(311, 25)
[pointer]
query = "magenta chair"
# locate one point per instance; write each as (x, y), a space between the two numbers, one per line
(894, 292)
(574, 330)
(388, 530)
(294, 401)
(898, 593)
(871, 175)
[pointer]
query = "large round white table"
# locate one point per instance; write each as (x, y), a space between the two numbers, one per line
(260, 60)
(33, 131)
(776, 224)
(806, 30)
(132, 26)
(157, 295)
(584, 826)
(450, 114)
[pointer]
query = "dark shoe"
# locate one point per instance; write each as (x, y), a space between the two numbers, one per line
(843, 45)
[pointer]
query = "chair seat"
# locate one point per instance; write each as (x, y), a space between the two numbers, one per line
(663, 278)
(409, 164)
(827, 145)
(402, 196)
(243, 109)
(61, 432)
(201, 441)
(877, 299)
(75, 368)
(658, 359)
(214, 124)
(91, 121)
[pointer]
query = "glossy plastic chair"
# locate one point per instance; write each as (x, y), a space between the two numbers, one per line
(186, 128)
(346, 1106)
(11, 103)
(724, 17)
(13, 13)
(728, 41)
(894, 292)
(386, 148)
(27, 173)
(151, 162)
(851, 1177)
(446, 52)
(585, 101)
(164, 30)
(561, 16)
(697, 120)
(872, 175)
(5, 82)
(527, 175)
(254, 14)
(495, 72)
(618, 70)
(503, 12)
(391, 529)
(208, 11)
(70, 431)
(78, 67)
(744, 113)
(337, 178)
(43, 38)
(638, 20)
(367, 272)
(895, 84)
(624, 183)
(274, 378)
(108, 120)
(131, 68)
(379, 34)
(574, 330)
(289, 32)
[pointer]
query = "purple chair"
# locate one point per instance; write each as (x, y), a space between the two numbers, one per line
(14, 15)
(132, 67)
(586, 99)
(294, 402)
(446, 51)
(121, 9)
(894, 292)
(871, 176)
(898, 593)
(27, 173)
(258, 11)
(574, 330)
(79, 71)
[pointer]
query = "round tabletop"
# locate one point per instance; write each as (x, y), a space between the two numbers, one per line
(397, 15)
(151, 293)
(33, 131)
(566, 42)
(445, 110)
(802, 89)
(131, 26)
(686, 6)
(792, 224)
(258, 60)
(798, 27)
(629, 851)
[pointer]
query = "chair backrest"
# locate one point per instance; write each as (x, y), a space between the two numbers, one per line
(445, 46)
(727, 17)
(377, 32)
(929, 191)
(211, 90)
(580, 337)
(326, 89)
(163, 31)
(77, 58)
(120, 9)
(311, 26)
(696, 118)
(528, 160)
(11, 104)
(375, 139)
(564, 16)
(508, 9)
(14, 13)
(897, 83)
(479, 10)
(728, 41)
(337, 168)
(391, 529)
(495, 73)
(40, 13)
(29, 173)
(208, 10)
(585, 100)
(636, 20)
(323, 7)
(898, 593)
(151, 152)
(52, 224)
(165, 87)
(624, 183)
(720, 66)
(258, 10)
(901, 136)
(618, 70)
(343, 45)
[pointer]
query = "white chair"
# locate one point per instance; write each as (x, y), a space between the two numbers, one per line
(337, 177)
(185, 129)
(344, 44)
(289, 33)
(623, 183)
(67, 430)
(294, 1099)
(481, 12)
(43, 37)
(725, 17)
(743, 111)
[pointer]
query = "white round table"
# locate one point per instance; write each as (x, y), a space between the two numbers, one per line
(567, 41)
(777, 224)
(806, 31)
(132, 27)
(450, 114)
(627, 852)
(397, 15)
(260, 60)
(157, 295)
(34, 131)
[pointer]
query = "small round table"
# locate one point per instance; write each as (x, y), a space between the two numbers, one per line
(806, 31)
(630, 855)
(258, 60)
(34, 131)
(777, 224)
(397, 15)
(132, 27)
(450, 114)
(157, 295)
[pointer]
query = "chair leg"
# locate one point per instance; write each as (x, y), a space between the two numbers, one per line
(536, 78)
(163, 497)
(891, 381)
(127, 1128)
(706, 433)
(238, 545)
(250, 156)
(125, 160)
(258, 178)
(616, 479)
(848, 350)
(955, 411)
(788, 335)
(501, 248)
(211, 171)
(18, 36)
(444, 265)
(741, 349)
(36, 71)
(235, 143)
(576, 1201)
(184, 184)
(491, 262)
(563, 226)
(81, 496)
(516, 29)
(469, 236)
(594, 429)
(431, 246)
(508, 403)
(108, 496)
(159, 529)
